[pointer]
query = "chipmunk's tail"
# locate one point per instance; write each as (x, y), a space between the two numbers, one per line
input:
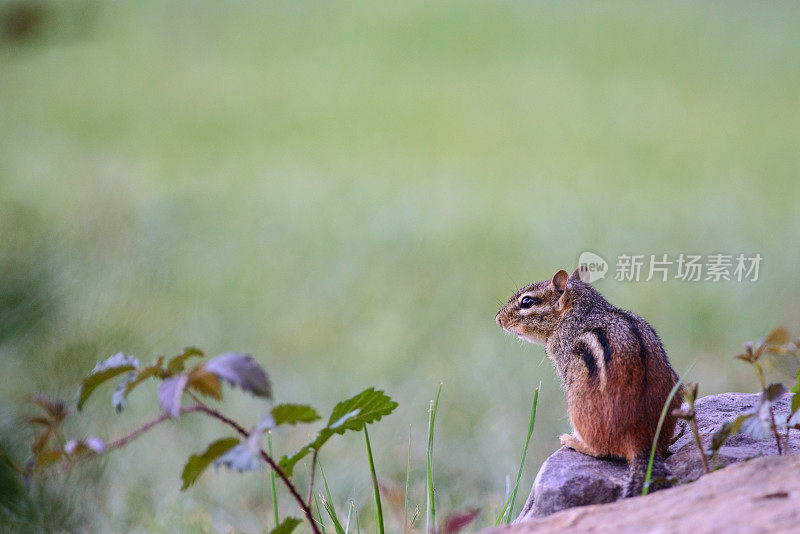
(637, 471)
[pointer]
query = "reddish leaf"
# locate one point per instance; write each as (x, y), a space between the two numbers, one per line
(205, 382)
(457, 522)
(778, 336)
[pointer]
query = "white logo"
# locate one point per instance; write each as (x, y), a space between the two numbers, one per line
(592, 267)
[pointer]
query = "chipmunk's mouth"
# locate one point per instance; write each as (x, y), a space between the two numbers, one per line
(531, 339)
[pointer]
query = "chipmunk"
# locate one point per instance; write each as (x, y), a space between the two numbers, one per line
(612, 367)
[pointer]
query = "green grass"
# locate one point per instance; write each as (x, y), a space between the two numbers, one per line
(507, 513)
(430, 520)
(354, 190)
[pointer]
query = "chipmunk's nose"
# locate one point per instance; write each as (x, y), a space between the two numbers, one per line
(498, 320)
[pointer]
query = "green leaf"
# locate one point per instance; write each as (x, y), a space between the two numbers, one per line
(286, 526)
(795, 402)
(175, 364)
(796, 387)
(292, 414)
(366, 407)
(727, 429)
(199, 462)
(114, 366)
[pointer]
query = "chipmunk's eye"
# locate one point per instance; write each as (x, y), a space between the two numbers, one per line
(527, 302)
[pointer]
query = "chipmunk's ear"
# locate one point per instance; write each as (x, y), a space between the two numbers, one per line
(581, 272)
(559, 281)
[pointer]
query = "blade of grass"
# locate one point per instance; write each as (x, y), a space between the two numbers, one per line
(374, 482)
(430, 526)
(532, 421)
(332, 513)
(646, 487)
(507, 501)
(408, 473)
(272, 483)
(319, 515)
(349, 515)
(328, 503)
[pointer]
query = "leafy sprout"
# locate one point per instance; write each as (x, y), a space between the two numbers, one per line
(179, 382)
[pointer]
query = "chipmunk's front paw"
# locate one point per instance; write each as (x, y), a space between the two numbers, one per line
(568, 440)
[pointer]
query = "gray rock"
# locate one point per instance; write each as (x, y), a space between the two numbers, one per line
(568, 478)
(712, 412)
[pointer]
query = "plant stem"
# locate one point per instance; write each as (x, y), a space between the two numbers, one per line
(786, 440)
(272, 483)
(408, 473)
(267, 458)
(374, 482)
(693, 426)
(200, 407)
(311, 477)
(775, 430)
(124, 440)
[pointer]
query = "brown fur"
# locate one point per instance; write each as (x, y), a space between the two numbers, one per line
(611, 363)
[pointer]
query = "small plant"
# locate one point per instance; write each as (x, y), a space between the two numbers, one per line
(52, 452)
(761, 422)
(690, 416)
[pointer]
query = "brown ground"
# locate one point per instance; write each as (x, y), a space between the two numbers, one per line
(761, 495)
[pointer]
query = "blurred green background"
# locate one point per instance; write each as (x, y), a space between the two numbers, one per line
(349, 193)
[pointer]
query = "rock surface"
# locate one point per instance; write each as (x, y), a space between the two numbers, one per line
(568, 478)
(712, 412)
(756, 496)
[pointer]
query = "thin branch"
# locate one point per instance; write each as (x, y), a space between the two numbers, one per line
(267, 458)
(775, 430)
(311, 478)
(699, 442)
(124, 440)
(113, 445)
